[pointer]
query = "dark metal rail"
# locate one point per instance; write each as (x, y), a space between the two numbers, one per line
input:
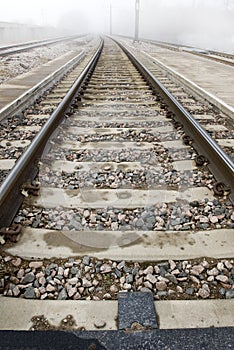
(219, 163)
(26, 167)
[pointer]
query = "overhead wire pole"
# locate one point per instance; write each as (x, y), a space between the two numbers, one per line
(137, 16)
(110, 19)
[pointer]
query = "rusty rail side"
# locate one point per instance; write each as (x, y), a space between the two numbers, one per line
(219, 162)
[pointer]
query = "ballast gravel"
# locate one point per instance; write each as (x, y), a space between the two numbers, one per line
(87, 278)
(166, 217)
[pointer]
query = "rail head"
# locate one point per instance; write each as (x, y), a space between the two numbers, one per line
(26, 167)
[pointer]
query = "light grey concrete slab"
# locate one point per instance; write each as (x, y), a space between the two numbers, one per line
(84, 198)
(171, 314)
(7, 164)
(124, 245)
(112, 131)
(216, 127)
(203, 117)
(38, 116)
(183, 165)
(17, 313)
(195, 313)
(28, 128)
(76, 146)
(15, 143)
(112, 116)
(226, 142)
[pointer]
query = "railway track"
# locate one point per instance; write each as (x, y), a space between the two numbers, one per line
(19, 124)
(18, 48)
(122, 186)
(221, 57)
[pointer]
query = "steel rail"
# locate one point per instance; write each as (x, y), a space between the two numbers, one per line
(13, 49)
(220, 164)
(26, 167)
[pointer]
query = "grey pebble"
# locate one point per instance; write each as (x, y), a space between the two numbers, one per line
(29, 293)
(62, 294)
(230, 294)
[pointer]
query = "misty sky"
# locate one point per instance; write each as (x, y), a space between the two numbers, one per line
(196, 22)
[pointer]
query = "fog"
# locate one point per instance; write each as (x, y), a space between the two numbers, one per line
(202, 23)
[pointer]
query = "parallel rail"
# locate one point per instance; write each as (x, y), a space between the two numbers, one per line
(220, 164)
(26, 168)
(13, 49)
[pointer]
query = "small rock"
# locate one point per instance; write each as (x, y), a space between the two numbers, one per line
(148, 270)
(222, 278)
(16, 291)
(71, 292)
(86, 283)
(195, 280)
(29, 293)
(148, 285)
(129, 278)
(222, 291)
(86, 214)
(197, 270)
(107, 296)
(114, 289)
(105, 268)
(172, 265)
(213, 272)
(114, 226)
(171, 278)
(99, 324)
(73, 281)
(204, 292)
(20, 274)
(161, 285)
(151, 278)
(228, 265)
(50, 288)
(179, 289)
(86, 260)
(35, 264)
(120, 265)
(29, 278)
(190, 291)
(16, 262)
(60, 271)
(62, 294)
(213, 219)
(156, 270)
(127, 286)
(210, 279)
(66, 272)
(230, 294)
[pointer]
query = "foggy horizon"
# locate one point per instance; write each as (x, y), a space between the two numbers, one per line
(202, 23)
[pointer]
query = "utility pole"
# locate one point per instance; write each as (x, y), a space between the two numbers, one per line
(137, 11)
(110, 19)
